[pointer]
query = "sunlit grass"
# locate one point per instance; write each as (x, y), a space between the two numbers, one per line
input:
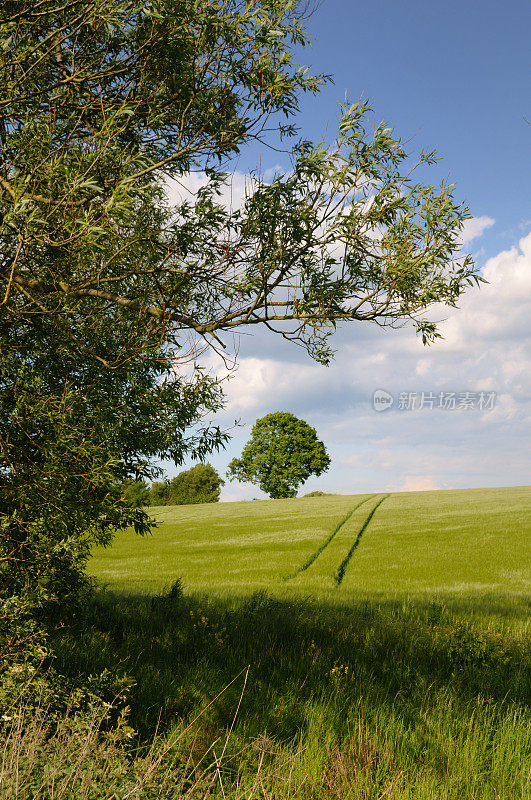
(418, 544)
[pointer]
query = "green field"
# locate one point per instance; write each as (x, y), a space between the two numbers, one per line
(473, 544)
(371, 647)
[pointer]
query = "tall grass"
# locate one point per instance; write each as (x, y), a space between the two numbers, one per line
(270, 698)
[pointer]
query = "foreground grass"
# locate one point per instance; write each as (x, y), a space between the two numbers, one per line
(368, 700)
(408, 678)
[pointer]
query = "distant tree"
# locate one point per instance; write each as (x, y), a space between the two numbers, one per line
(200, 484)
(282, 453)
(136, 493)
(159, 493)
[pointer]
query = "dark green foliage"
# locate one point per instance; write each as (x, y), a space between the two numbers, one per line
(200, 484)
(282, 453)
(136, 493)
(159, 492)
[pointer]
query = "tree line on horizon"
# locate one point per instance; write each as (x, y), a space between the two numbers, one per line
(199, 484)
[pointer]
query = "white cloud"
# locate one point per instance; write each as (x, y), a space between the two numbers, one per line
(259, 382)
(416, 483)
(232, 195)
(490, 335)
(473, 228)
(185, 187)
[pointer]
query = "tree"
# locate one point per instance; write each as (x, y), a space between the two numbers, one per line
(108, 292)
(159, 493)
(200, 484)
(136, 493)
(282, 453)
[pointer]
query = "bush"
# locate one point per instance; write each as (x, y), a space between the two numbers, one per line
(136, 493)
(200, 484)
(158, 496)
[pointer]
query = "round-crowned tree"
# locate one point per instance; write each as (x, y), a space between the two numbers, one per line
(200, 484)
(282, 453)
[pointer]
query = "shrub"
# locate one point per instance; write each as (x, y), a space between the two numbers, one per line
(200, 484)
(158, 496)
(136, 493)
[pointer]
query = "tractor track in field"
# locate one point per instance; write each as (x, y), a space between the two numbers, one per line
(325, 544)
(340, 572)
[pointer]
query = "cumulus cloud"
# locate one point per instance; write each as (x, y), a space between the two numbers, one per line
(232, 195)
(473, 228)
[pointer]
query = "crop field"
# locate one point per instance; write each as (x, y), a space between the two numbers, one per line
(372, 647)
(473, 544)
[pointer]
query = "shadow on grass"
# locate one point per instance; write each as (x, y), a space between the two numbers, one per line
(182, 651)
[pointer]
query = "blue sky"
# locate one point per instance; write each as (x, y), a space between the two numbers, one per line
(454, 77)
